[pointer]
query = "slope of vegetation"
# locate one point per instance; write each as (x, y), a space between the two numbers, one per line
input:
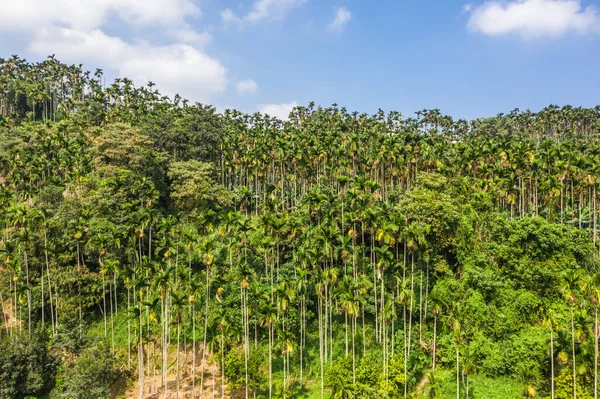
(154, 244)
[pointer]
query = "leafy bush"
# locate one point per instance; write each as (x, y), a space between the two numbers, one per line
(27, 367)
(94, 375)
(487, 355)
(235, 369)
(564, 386)
(339, 378)
(527, 350)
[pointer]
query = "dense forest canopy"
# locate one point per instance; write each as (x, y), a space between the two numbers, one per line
(155, 247)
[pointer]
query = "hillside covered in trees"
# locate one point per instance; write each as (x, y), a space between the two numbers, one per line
(155, 248)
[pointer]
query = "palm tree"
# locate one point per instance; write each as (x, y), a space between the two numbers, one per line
(178, 301)
(161, 282)
(223, 325)
(207, 261)
(320, 291)
(434, 385)
(570, 281)
(456, 328)
(111, 266)
(194, 290)
(404, 295)
(301, 289)
(591, 286)
(349, 301)
(550, 322)
(286, 345)
(245, 274)
(269, 317)
(415, 238)
(139, 282)
(437, 304)
(285, 295)
(42, 217)
(467, 369)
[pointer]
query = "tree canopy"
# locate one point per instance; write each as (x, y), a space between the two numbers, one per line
(172, 249)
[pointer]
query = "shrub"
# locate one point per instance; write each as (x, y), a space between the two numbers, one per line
(27, 368)
(94, 375)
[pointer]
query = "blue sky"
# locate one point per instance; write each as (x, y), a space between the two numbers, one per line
(469, 58)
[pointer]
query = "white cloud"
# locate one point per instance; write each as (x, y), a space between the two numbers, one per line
(533, 18)
(341, 17)
(272, 8)
(71, 45)
(281, 111)
(25, 15)
(74, 31)
(262, 9)
(190, 36)
(175, 68)
(247, 86)
(228, 17)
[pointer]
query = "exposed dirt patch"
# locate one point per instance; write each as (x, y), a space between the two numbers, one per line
(421, 385)
(190, 379)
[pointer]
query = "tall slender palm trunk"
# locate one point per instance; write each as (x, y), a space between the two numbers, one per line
(434, 342)
(573, 353)
(205, 332)
(412, 291)
(52, 319)
(270, 361)
(596, 353)
(193, 311)
(141, 358)
(551, 363)
(222, 363)
(457, 375)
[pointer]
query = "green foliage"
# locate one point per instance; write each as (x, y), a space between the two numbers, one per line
(194, 187)
(564, 386)
(396, 381)
(488, 355)
(367, 374)
(339, 378)
(369, 249)
(196, 135)
(94, 374)
(27, 367)
(481, 387)
(235, 370)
